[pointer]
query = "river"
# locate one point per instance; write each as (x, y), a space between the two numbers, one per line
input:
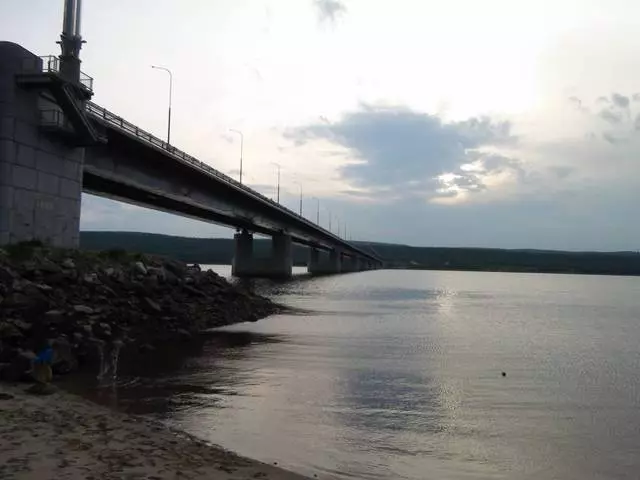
(399, 375)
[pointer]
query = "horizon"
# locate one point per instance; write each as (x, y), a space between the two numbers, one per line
(458, 124)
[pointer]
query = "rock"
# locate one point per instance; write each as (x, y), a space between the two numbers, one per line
(54, 315)
(184, 334)
(64, 360)
(175, 267)
(69, 264)
(55, 278)
(194, 291)
(17, 299)
(158, 272)
(42, 389)
(19, 367)
(8, 331)
(91, 278)
(6, 396)
(104, 326)
(43, 287)
(6, 274)
(110, 271)
(151, 306)
(83, 309)
(170, 277)
(49, 267)
(34, 292)
(140, 268)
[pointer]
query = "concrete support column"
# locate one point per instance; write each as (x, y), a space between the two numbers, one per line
(243, 255)
(348, 264)
(40, 175)
(282, 257)
(278, 265)
(320, 264)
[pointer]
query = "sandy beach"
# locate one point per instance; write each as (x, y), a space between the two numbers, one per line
(62, 436)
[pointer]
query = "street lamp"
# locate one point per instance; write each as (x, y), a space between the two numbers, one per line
(170, 95)
(317, 210)
(278, 185)
(241, 148)
(300, 185)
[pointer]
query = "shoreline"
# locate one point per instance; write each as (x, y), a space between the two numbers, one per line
(66, 436)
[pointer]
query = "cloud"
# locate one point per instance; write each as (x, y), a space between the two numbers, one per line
(617, 111)
(408, 152)
(620, 100)
(329, 10)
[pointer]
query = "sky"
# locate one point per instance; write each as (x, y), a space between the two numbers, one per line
(501, 123)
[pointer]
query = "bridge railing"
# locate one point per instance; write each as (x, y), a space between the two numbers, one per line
(119, 122)
(51, 64)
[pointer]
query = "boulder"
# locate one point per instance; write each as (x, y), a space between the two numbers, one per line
(83, 309)
(69, 264)
(7, 275)
(64, 359)
(175, 267)
(19, 368)
(54, 315)
(17, 300)
(48, 266)
(140, 268)
(151, 306)
(8, 331)
(158, 272)
(91, 278)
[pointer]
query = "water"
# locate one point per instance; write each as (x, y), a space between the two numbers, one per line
(398, 375)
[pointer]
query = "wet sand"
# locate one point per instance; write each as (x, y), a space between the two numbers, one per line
(63, 436)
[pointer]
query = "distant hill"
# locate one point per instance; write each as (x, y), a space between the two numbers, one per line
(220, 251)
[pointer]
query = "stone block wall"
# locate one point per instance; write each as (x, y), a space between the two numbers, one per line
(40, 175)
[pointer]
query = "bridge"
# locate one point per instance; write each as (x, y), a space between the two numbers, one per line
(55, 143)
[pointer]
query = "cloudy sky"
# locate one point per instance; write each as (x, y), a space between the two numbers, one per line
(494, 123)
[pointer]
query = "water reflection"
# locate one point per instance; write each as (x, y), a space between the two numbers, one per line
(173, 377)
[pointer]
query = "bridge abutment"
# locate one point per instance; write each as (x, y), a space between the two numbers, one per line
(246, 265)
(40, 175)
(321, 264)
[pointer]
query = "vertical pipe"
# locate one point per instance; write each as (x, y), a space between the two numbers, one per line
(68, 22)
(78, 18)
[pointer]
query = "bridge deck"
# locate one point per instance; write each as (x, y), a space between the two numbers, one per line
(282, 218)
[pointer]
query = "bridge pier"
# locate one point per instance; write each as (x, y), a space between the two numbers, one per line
(324, 266)
(349, 264)
(278, 265)
(40, 176)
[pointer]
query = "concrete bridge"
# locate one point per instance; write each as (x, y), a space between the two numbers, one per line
(55, 143)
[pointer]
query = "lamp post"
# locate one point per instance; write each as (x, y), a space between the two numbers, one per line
(300, 185)
(241, 148)
(170, 96)
(278, 184)
(317, 210)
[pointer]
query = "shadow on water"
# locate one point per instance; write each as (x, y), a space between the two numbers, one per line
(172, 377)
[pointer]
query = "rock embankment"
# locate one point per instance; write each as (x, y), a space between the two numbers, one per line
(79, 301)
